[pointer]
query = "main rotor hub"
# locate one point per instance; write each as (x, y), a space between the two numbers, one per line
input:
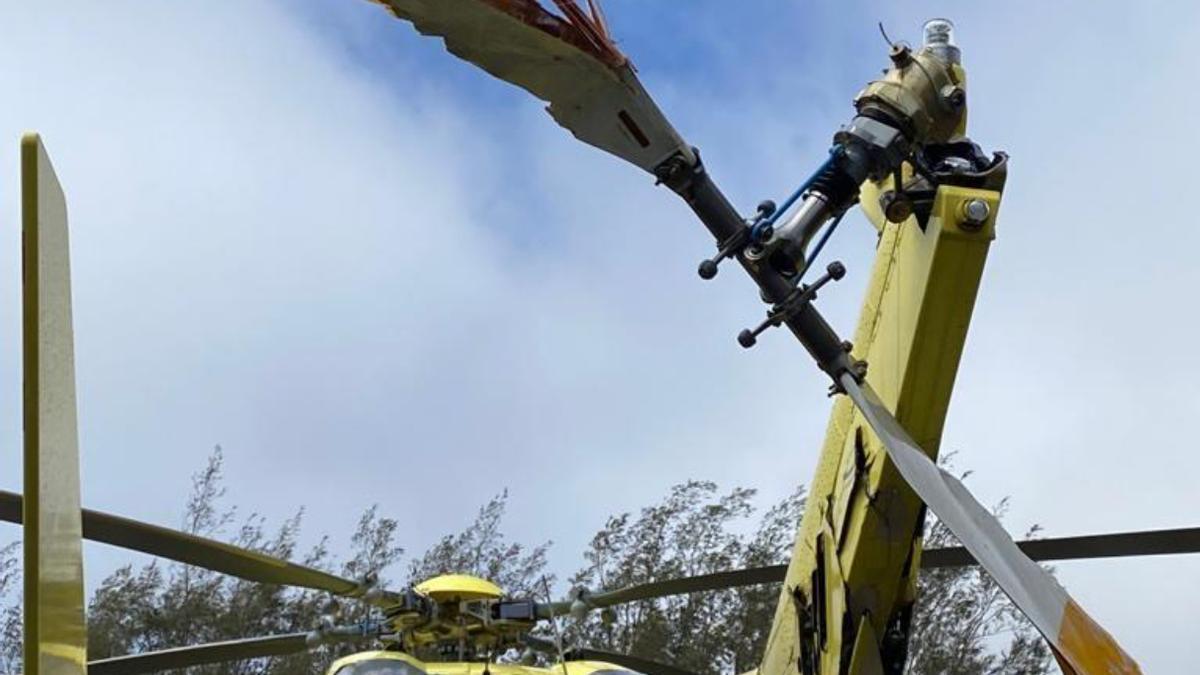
(460, 587)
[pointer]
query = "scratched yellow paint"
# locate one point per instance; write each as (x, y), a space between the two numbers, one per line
(911, 330)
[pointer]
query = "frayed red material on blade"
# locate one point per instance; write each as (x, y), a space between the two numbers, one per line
(599, 20)
(586, 32)
(581, 21)
(578, 29)
(562, 55)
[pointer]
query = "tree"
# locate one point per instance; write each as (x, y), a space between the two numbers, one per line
(960, 620)
(482, 550)
(167, 605)
(691, 532)
(963, 625)
(961, 613)
(11, 619)
(159, 606)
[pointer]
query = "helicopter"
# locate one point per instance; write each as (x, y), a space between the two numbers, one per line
(463, 618)
(458, 624)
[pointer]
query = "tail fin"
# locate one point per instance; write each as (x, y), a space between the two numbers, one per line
(55, 628)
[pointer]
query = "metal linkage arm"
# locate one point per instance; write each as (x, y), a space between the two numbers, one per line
(790, 304)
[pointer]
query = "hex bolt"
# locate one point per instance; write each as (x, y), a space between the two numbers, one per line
(954, 96)
(975, 213)
(579, 609)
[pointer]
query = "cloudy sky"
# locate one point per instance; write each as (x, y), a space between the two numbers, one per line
(375, 275)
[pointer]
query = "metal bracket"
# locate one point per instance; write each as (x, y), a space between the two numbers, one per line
(783, 310)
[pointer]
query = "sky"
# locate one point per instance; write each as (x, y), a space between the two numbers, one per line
(373, 274)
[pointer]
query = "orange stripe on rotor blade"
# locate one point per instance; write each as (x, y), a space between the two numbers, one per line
(1087, 649)
(1081, 644)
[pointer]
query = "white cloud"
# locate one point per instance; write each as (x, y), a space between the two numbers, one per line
(370, 291)
(321, 269)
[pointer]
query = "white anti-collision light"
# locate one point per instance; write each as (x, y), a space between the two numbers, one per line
(939, 39)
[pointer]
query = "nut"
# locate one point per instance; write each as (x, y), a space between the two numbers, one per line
(896, 206)
(975, 213)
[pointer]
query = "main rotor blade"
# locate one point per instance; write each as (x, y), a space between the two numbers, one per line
(1079, 643)
(1118, 545)
(706, 582)
(215, 652)
(569, 62)
(660, 589)
(192, 550)
(1152, 542)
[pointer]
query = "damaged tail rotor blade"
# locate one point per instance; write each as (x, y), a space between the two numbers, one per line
(1080, 644)
(593, 28)
(570, 63)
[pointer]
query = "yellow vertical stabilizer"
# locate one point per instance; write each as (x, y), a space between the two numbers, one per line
(55, 629)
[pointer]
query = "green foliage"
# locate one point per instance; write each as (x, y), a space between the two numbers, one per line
(167, 605)
(11, 631)
(963, 625)
(692, 531)
(962, 616)
(482, 550)
(161, 605)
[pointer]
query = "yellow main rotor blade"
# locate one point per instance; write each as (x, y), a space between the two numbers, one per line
(55, 628)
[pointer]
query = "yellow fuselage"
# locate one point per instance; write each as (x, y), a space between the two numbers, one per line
(343, 665)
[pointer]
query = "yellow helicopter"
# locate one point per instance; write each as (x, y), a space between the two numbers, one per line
(448, 625)
(459, 624)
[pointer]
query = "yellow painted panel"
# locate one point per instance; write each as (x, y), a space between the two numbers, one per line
(378, 655)
(55, 632)
(911, 332)
(865, 658)
(476, 668)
